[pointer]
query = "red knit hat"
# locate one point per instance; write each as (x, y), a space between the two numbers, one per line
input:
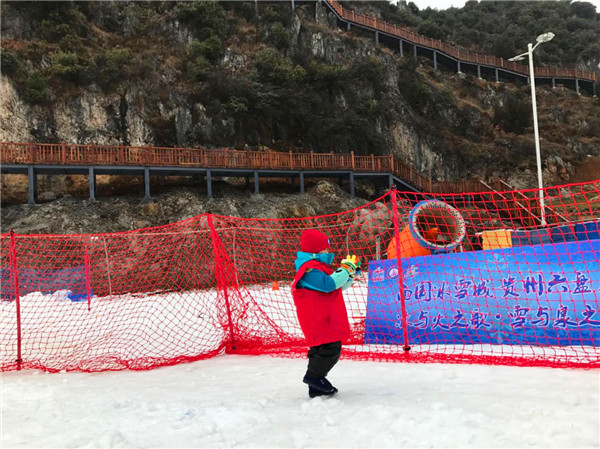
(313, 241)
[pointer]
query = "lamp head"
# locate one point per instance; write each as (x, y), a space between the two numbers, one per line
(546, 37)
(517, 58)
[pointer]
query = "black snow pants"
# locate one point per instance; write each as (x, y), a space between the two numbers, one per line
(322, 358)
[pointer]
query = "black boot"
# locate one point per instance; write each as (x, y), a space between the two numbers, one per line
(313, 392)
(319, 383)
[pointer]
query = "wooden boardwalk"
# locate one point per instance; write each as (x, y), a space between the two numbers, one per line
(71, 155)
(33, 159)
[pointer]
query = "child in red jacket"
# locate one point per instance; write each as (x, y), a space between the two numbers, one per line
(317, 292)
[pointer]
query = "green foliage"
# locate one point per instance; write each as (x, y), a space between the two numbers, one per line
(431, 29)
(279, 36)
(205, 18)
(326, 75)
(416, 93)
(54, 31)
(395, 13)
(271, 66)
(503, 47)
(71, 43)
(71, 67)
(113, 66)
(413, 7)
(108, 16)
(9, 62)
(199, 69)
(247, 10)
(34, 89)
(368, 107)
(276, 12)
(210, 49)
(585, 10)
(514, 115)
(64, 20)
(368, 69)
(237, 105)
(503, 28)
(269, 14)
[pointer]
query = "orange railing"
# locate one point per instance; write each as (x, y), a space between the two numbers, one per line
(461, 55)
(150, 156)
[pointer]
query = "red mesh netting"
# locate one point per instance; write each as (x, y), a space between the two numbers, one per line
(486, 278)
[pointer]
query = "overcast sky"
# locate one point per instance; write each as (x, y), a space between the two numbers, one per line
(443, 4)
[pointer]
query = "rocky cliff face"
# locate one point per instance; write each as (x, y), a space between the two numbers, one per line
(161, 111)
(444, 125)
(71, 215)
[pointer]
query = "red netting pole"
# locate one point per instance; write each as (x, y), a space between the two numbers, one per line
(219, 273)
(400, 274)
(13, 262)
(88, 281)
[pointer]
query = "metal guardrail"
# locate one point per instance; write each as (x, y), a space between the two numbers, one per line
(551, 213)
(530, 218)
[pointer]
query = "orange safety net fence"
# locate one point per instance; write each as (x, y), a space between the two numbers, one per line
(486, 278)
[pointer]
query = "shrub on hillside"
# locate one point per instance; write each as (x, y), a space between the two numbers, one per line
(210, 49)
(416, 93)
(279, 36)
(204, 18)
(275, 12)
(113, 66)
(9, 62)
(53, 31)
(514, 115)
(63, 21)
(34, 89)
(504, 28)
(199, 69)
(247, 10)
(70, 67)
(271, 66)
(329, 75)
(431, 29)
(369, 69)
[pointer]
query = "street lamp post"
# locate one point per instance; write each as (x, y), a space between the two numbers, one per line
(546, 37)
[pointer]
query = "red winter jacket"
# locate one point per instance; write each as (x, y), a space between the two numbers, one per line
(323, 317)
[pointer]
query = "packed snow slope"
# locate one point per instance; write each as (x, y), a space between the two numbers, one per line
(246, 401)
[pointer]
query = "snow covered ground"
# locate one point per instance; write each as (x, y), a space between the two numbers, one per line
(246, 401)
(132, 327)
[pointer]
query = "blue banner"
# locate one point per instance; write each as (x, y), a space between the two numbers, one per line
(528, 295)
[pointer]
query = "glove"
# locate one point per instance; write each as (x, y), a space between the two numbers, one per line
(351, 264)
